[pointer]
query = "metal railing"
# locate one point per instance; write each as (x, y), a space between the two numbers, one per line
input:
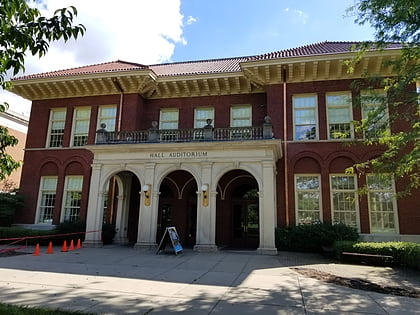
(207, 133)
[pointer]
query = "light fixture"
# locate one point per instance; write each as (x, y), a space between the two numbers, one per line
(205, 195)
(146, 190)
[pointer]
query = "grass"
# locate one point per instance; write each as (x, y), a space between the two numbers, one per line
(23, 310)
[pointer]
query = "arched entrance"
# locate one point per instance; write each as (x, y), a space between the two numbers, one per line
(178, 207)
(121, 206)
(237, 214)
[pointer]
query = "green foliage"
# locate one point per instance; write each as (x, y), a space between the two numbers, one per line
(394, 21)
(313, 237)
(108, 233)
(9, 202)
(23, 29)
(404, 253)
(73, 228)
(19, 232)
(7, 163)
(23, 310)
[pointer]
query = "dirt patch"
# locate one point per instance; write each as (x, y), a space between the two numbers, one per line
(355, 283)
(9, 253)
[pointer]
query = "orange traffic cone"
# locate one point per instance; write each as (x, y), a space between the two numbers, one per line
(50, 249)
(71, 245)
(79, 244)
(37, 252)
(64, 248)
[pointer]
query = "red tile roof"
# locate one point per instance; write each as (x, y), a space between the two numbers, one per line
(203, 66)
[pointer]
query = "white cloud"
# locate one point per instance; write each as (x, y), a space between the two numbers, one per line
(301, 15)
(132, 30)
(191, 20)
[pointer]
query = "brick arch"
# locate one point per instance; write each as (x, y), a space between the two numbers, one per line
(307, 164)
(49, 168)
(339, 164)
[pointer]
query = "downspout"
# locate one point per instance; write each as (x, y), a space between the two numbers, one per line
(285, 153)
(120, 89)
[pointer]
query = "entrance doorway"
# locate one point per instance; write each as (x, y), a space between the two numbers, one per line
(237, 213)
(178, 207)
(245, 218)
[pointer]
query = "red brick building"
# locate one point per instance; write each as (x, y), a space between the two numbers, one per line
(224, 150)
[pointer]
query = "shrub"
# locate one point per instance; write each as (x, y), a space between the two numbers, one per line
(19, 232)
(313, 237)
(404, 253)
(9, 202)
(108, 233)
(72, 228)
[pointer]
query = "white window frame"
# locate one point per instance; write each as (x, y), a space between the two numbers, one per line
(76, 120)
(40, 204)
(201, 122)
(102, 118)
(367, 93)
(347, 106)
(67, 208)
(394, 212)
(234, 108)
(295, 110)
(169, 136)
(297, 191)
(353, 191)
(50, 126)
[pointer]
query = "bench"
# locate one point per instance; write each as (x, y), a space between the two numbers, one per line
(368, 259)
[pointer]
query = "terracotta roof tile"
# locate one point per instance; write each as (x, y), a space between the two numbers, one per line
(199, 67)
(322, 48)
(96, 68)
(203, 66)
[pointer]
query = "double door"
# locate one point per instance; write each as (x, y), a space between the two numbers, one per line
(245, 224)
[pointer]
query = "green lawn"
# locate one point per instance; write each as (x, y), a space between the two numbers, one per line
(20, 310)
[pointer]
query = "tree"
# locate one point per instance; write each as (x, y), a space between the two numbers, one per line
(23, 29)
(394, 21)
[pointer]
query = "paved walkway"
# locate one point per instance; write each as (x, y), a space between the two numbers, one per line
(122, 280)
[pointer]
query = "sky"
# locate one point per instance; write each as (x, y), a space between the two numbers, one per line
(159, 31)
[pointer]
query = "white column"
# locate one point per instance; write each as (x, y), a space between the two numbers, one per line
(95, 209)
(146, 235)
(206, 215)
(268, 210)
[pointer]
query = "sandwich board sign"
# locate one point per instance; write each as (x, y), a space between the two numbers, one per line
(172, 235)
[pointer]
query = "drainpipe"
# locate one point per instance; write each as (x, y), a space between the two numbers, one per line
(120, 89)
(285, 155)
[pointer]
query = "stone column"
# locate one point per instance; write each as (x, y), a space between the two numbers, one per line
(268, 210)
(206, 214)
(95, 209)
(146, 236)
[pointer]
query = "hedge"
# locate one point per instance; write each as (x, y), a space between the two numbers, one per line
(404, 253)
(313, 237)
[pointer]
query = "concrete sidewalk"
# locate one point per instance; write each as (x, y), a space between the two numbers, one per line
(123, 280)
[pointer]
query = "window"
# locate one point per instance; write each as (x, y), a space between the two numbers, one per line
(344, 200)
(201, 114)
(46, 199)
(339, 111)
(107, 115)
(72, 197)
(308, 198)
(305, 117)
(374, 109)
(81, 126)
(56, 128)
(241, 116)
(381, 203)
(168, 121)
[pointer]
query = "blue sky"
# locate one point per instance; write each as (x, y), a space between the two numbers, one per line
(157, 31)
(230, 28)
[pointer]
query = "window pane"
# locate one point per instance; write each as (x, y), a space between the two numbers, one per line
(339, 109)
(201, 116)
(107, 116)
(241, 116)
(57, 123)
(169, 119)
(81, 126)
(308, 199)
(47, 202)
(381, 203)
(73, 197)
(305, 117)
(344, 200)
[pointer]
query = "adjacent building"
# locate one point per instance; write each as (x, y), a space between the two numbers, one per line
(225, 150)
